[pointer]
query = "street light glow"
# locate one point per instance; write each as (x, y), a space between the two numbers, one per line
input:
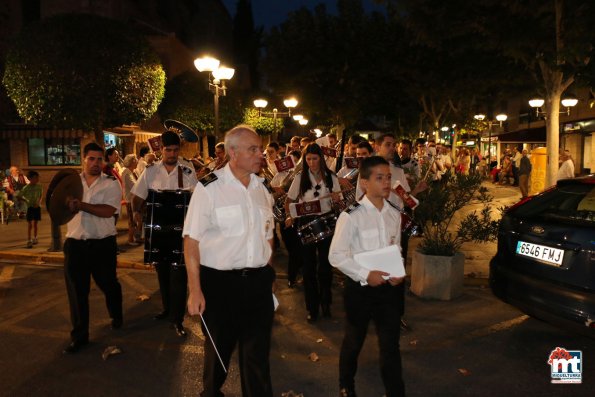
(223, 73)
(260, 103)
(290, 103)
(479, 116)
(536, 102)
(569, 102)
(206, 64)
(297, 117)
(501, 117)
(303, 121)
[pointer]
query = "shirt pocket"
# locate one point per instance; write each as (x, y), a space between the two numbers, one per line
(230, 220)
(369, 239)
(268, 222)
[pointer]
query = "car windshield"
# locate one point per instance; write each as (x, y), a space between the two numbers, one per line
(571, 203)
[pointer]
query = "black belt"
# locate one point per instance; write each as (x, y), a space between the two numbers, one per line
(243, 272)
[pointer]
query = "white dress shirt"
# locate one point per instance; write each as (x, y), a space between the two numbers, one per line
(323, 193)
(156, 177)
(396, 174)
(232, 223)
(566, 170)
(105, 190)
(363, 229)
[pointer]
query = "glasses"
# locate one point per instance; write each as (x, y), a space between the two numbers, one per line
(316, 192)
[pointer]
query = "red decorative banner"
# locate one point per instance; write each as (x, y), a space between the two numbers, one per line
(308, 208)
(408, 199)
(327, 151)
(155, 143)
(352, 162)
(284, 164)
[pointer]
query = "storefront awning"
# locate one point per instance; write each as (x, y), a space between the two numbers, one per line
(25, 133)
(524, 136)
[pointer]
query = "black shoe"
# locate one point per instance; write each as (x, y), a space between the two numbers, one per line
(326, 311)
(311, 318)
(161, 316)
(180, 329)
(75, 346)
(344, 392)
(116, 323)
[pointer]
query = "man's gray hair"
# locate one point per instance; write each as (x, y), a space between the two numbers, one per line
(234, 136)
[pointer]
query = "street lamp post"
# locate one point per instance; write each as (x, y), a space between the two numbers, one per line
(568, 102)
(217, 76)
(500, 118)
(289, 103)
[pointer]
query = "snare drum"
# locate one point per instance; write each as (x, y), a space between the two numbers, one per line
(318, 229)
(164, 222)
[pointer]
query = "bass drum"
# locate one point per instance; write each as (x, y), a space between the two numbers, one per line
(164, 222)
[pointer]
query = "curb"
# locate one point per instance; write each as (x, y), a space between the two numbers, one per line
(58, 258)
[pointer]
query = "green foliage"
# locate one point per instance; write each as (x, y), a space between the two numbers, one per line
(262, 125)
(83, 71)
(439, 205)
(340, 67)
(188, 99)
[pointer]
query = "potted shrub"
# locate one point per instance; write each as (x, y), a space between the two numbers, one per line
(438, 264)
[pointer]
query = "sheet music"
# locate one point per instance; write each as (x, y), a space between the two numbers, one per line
(387, 259)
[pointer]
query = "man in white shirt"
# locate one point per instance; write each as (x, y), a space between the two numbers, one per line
(90, 247)
(167, 174)
(228, 239)
(142, 162)
(370, 224)
(566, 169)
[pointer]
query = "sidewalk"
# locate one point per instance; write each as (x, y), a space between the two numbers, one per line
(13, 241)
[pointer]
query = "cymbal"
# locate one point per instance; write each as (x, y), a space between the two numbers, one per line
(57, 178)
(186, 133)
(69, 186)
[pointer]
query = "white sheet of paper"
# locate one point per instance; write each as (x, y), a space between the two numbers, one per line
(387, 259)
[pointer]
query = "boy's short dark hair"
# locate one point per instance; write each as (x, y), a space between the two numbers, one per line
(32, 174)
(365, 145)
(92, 147)
(365, 168)
(144, 150)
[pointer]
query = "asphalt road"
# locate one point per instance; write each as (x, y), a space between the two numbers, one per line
(472, 346)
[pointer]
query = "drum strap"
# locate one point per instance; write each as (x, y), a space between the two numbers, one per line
(180, 178)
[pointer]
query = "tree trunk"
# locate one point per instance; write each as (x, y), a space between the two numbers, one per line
(205, 147)
(552, 106)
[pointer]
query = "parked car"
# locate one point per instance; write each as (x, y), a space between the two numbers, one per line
(545, 263)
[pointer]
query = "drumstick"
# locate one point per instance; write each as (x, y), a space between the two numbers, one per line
(213, 342)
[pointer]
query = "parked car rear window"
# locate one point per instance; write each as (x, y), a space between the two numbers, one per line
(570, 203)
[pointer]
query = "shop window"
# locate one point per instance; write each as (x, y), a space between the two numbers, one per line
(54, 151)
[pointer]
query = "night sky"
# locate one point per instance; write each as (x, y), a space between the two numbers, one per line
(269, 13)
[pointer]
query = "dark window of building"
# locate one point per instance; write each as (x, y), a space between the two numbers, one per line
(31, 11)
(54, 151)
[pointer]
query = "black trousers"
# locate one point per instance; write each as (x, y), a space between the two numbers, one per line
(239, 310)
(173, 286)
(293, 245)
(318, 275)
(83, 259)
(380, 304)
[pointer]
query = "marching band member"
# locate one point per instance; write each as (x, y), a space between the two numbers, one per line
(90, 247)
(167, 174)
(368, 225)
(316, 181)
(228, 238)
(272, 154)
(220, 157)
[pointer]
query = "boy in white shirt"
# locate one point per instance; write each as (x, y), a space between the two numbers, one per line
(370, 224)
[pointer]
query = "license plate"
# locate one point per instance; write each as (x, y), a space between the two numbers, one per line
(549, 255)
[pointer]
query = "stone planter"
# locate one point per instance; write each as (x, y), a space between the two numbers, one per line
(437, 277)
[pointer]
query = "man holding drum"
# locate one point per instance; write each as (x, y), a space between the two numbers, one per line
(167, 174)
